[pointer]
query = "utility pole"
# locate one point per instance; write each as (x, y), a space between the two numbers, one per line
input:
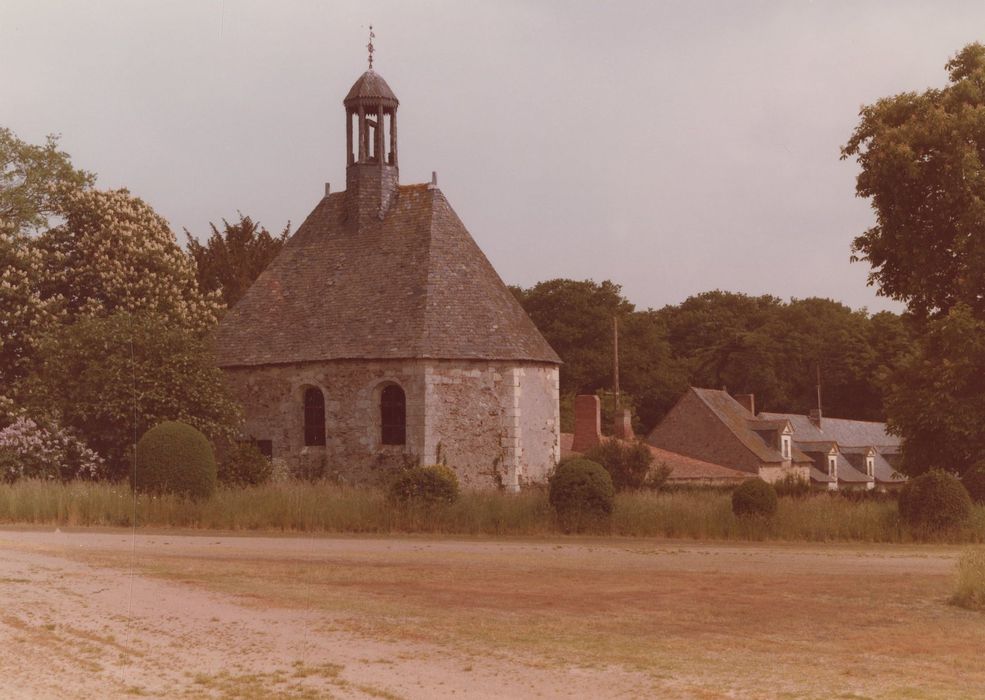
(818, 365)
(615, 359)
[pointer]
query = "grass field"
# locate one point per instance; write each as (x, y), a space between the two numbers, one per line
(436, 617)
(328, 508)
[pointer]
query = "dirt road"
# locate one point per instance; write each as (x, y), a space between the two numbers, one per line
(259, 617)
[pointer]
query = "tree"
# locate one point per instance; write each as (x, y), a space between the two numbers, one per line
(115, 253)
(113, 377)
(936, 398)
(231, 259)
(922, 159)
(24, 314)
(34, 182)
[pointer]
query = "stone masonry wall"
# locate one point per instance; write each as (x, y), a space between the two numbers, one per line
(494, 423)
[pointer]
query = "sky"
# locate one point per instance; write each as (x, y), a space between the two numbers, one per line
(672, 147)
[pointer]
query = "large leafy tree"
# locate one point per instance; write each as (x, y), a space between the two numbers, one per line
(110, 378)
(34, 182)
(937, 396)
(231, 259)
(922, 158)
(112, 253)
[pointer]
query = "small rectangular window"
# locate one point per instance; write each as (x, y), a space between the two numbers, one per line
(265, 447)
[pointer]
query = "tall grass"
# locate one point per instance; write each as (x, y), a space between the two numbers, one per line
(329, 508)
(970, 591)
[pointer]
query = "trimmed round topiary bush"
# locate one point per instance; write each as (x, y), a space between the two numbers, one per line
(244, 465)
(934, 501)
(754, 498)
(582, 494)
(428, 486)
(974, 481)
(176, 458)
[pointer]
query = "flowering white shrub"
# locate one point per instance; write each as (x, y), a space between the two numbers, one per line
(115, 253)
(28, 450)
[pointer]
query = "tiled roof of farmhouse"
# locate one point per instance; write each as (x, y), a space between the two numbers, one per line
(854, 433)
(412, 285)
(742, 424)
(684, 468)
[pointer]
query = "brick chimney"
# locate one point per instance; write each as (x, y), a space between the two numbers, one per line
(815, 416)
(622, 425)
(588, 423)
(748, 401)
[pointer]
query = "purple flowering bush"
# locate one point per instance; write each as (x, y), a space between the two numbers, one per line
(32, 451)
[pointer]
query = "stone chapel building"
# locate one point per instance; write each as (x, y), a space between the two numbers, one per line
(381, 336)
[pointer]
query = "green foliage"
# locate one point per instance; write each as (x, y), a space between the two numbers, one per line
(759, 345)
(934, 501)
(628, 463)
(793, 486)
(974, 481)
(922, 157)
(576, 319)
(581, 493)
(34, 181)
(231, 259)
(242, 464)
(763, 346)
(100, 374)
(936, 398)
(970, 591)
(174, 457)
(754, 498)
(425, 486)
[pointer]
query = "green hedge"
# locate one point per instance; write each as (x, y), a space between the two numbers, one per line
(175, 458)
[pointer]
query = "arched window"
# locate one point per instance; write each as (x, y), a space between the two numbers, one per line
(393, 415)
(314, 417)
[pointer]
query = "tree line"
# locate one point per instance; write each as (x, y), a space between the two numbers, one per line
(105, 319)
(761, 345)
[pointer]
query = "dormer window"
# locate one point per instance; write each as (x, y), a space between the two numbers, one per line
(785, 446)
(870, 466)
(832, 466)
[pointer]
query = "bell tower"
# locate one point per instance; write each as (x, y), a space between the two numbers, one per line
(372, 174)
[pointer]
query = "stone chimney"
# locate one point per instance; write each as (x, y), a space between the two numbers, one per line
(815, 416)
(748, 401)
(588, 423)
(622, 425)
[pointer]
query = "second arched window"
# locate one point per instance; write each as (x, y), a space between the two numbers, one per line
(314, 417)
(393, 415)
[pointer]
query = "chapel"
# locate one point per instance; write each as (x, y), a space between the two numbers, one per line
(382, 337)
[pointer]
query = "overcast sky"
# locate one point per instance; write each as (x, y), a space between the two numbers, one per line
(673, 147)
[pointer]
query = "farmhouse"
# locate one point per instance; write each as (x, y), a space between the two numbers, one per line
(381, 336)
(833, 453)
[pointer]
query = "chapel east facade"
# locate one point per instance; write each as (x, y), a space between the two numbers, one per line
(382, 337)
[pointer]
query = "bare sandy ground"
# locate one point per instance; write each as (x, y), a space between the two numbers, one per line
(258, 617)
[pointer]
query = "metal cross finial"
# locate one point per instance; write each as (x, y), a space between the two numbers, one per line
(370, 46)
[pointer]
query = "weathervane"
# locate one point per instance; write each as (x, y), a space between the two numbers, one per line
(370, 46)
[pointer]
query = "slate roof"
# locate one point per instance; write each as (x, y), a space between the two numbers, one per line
(737, 418)
(412, 285)
(884, 471)
(854, 433)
